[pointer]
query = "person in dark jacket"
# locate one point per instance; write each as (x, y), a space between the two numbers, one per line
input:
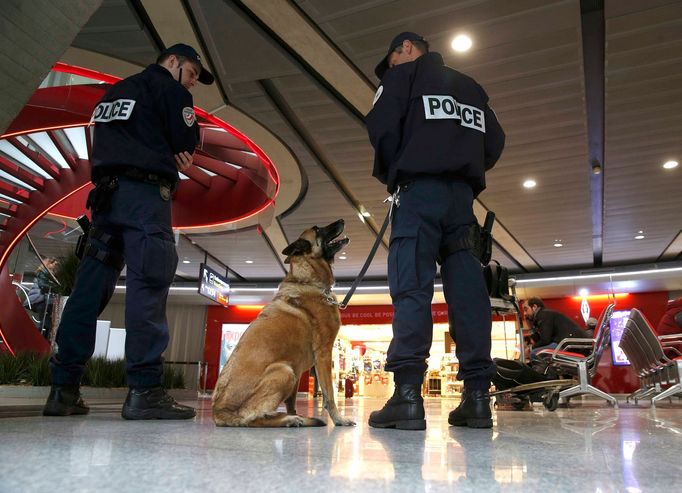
(145, 133)
(434, 137)
(550, 327)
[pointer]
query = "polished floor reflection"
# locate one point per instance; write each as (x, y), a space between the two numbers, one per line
(588, 447)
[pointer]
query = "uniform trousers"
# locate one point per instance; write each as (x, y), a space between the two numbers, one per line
(432, 211)
(141, 219)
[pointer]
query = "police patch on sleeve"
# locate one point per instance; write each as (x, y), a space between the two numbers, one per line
(121, 109)
(448, 108)
(378, 95)
(188, 116)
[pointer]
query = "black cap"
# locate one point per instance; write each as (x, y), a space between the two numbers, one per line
(205, 77)
(380, 69)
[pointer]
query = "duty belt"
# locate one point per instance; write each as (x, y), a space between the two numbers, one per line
(166, 186)
(154, 178)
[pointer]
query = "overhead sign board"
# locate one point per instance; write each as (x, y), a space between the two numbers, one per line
(214, 286)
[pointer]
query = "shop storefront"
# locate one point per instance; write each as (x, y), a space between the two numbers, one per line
(359, 352)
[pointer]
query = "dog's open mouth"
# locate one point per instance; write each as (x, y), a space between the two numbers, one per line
(331, 241)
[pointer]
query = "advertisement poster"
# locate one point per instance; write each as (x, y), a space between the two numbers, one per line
(617, 325)
(231, 334)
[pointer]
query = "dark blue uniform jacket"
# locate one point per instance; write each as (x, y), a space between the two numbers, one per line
(142, 121)
(430, 119)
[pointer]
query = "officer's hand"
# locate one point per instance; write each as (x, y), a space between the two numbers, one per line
(183, 160)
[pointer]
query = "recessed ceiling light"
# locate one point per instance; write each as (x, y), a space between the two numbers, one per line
(558, 245)
(248, 261)
(461, 43)
(639, 237)
(342, 257)
(583, 292)
(529, 184)
(186, 262)
(671, 164)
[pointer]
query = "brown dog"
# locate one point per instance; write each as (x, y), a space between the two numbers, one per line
(294, 332)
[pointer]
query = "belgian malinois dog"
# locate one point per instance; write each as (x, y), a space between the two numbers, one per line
(293, 332)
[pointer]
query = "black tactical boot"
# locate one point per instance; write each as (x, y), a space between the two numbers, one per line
(154, 403)
(473, 411)
(403, 411)
(65, 400)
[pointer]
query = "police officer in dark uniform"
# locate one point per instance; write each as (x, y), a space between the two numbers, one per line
(145, 132)
(434, 137)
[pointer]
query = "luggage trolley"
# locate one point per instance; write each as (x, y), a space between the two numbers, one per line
(515, 378)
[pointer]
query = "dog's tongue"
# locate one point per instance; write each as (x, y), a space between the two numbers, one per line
(339, 240)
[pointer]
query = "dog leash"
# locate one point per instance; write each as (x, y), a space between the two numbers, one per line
(395, 201)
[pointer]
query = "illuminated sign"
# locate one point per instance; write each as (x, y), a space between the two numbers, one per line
(213, 285)
(617, 325)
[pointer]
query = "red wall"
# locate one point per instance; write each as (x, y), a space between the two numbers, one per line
(621, 379)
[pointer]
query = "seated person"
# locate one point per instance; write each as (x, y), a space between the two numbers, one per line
(669, 323)
(549, 327)
(40, 299)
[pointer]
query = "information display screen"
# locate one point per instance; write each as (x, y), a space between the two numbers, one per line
(617, 325)
(213, 285)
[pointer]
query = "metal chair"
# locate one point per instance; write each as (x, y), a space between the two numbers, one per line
(666, 371)
(643, 362)
(581, 365)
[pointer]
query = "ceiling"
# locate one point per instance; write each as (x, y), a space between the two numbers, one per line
(303, 70)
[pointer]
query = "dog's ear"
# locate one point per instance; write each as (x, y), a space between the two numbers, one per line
(298, 247)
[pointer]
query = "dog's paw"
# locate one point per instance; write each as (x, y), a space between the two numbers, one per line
(340, 421)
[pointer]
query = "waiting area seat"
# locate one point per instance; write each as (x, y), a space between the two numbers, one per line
(580, 357)
(671, 342)
(660, 376)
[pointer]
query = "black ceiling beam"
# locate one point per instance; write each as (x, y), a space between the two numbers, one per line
(316, 150)
(138, 9)
(299, 61)
(594, 41)
(272, 248)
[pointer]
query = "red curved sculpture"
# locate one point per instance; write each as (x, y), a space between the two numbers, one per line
(45, 167)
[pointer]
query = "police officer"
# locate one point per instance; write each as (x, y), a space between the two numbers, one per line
(145, 132)
(434, 137)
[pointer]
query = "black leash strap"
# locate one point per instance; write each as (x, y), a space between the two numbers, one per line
(372, 252)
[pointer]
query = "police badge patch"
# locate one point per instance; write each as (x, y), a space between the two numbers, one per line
(188, 116)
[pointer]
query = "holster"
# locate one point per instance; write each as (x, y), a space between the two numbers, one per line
(479, 241)
(482, 239)
(84, 223)
(99, 198)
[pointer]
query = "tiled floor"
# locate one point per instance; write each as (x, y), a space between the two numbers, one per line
(588, 447)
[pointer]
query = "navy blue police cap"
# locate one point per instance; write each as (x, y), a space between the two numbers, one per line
(205, 77)
(380, 69)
